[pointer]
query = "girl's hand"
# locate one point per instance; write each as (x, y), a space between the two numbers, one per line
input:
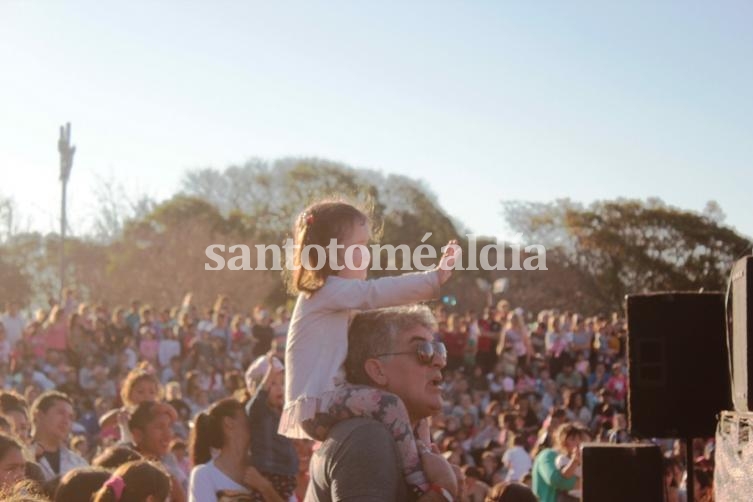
(437, 469)
(452, 254)
(123, 417)
(273, 367)
(254, 479)
(577, 455)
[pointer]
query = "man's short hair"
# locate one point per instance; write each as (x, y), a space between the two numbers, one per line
(47, 399)
(147, 411)
(374, 332)
(115, 456)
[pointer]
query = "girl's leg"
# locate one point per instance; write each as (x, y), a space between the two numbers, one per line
(363, 401)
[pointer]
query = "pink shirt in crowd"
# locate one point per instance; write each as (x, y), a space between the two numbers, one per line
(56, 337)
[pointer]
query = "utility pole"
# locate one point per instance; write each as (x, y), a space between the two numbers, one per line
(66, 163)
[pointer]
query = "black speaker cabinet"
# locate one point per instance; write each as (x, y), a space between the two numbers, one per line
(678, 364)
(742, 329)
(622, 473)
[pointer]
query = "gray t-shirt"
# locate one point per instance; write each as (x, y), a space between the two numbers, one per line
(358, 461)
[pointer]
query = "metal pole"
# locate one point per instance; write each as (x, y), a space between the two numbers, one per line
(62, 238)
(66, 163)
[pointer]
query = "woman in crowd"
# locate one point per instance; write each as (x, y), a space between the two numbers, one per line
(12, 463)
(576, 409)
(224, 427)
(14, 408)
(516, 336)
(80, 484)
(56, 332)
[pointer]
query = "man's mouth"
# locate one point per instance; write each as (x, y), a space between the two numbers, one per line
(436, 382)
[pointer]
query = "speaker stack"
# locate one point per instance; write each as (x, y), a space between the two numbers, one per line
(678, 365)
(734, 449)
(622, 473)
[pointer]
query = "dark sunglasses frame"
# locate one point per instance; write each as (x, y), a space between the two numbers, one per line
(425, 352)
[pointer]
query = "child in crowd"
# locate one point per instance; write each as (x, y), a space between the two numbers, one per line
(137, 481)
(315, 387)
(272, 454)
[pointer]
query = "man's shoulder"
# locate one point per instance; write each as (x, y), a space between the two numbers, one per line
(341, 469)
(360, 430)
(73, 457)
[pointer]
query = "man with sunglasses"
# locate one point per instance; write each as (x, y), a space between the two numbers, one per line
(391, 349)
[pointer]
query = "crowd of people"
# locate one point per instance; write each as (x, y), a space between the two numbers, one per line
(118, 401)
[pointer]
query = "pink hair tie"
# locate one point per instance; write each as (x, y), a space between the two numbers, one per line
(117, 485)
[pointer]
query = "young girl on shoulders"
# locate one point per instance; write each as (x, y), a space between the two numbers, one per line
(316, 393)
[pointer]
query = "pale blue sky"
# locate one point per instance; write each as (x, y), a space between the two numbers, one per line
(484, 100)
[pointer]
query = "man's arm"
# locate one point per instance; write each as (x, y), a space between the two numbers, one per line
(356, 475)
(376, 476)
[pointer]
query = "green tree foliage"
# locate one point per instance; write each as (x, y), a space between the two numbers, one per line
(613, 248)
(16, 284)
(268, 197)
(162, 256)
(156, 252)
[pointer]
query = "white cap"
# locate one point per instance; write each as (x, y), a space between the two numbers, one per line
(258, 369)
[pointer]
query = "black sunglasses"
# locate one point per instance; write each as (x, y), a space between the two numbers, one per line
(425, 351)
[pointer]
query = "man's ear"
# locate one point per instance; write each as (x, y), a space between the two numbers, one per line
(374, 370)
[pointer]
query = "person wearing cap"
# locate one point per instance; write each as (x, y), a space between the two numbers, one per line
(150, 426)
(273, 454)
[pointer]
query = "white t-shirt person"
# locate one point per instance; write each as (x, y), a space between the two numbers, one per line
(207, 480)
(518, 462)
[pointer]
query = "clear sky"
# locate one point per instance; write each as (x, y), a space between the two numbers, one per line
(486, 101)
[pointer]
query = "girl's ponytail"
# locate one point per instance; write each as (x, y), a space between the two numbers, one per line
(201, 452)
(207, 430)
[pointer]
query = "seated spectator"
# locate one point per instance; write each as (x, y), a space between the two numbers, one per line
(475, 490)
(510, 492)
(179, 450)
(224, 427)
(115, 456)
(617, 387)
(491, 468)
(138, 481)
(150, 426)
(12, 463)
(619, 433)
(569, 378)
(141, 384)
(80, 484)
(517, 460)
(52, 414)
(14, 407)
(576, 409)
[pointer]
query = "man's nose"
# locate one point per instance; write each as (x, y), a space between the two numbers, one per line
(438, 361)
